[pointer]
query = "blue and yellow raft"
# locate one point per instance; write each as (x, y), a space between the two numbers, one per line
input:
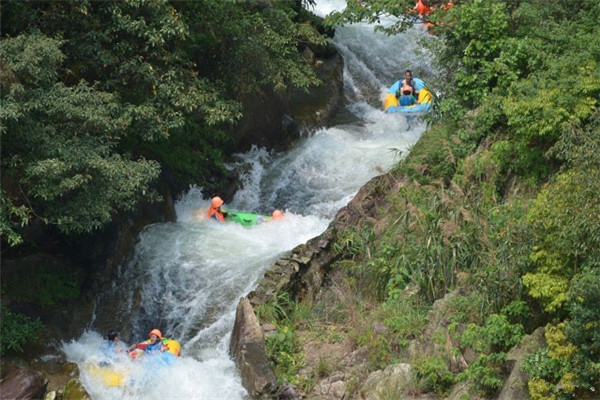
(391, 104)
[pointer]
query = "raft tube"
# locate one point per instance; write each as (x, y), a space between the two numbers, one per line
(245, 218)
(391, 104)
(108, 375)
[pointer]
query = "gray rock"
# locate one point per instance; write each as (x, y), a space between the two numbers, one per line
(391, 381)
(247, 348)
(22, 383)
(515, 387)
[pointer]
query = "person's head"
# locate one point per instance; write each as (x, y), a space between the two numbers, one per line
(408, 75)
(216, 202)
(277, 214)
(406, 90)
(155, 335)
(112, 336)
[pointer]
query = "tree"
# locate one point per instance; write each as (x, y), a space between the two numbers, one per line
(57, 145)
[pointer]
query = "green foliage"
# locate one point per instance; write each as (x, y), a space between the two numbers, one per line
(405, 318)
(540, 365)
(563, 370)
(372, 12)
(17, 330)
(282, 347)
(380, 352)
(42, 286)
(285, 358)
(520, 111)
(490, 342)
(57, 154)
(87, 85)
(433, 375)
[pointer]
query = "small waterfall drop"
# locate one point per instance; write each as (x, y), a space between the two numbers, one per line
(186, 277)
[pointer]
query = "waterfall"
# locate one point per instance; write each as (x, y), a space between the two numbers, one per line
(186, 277)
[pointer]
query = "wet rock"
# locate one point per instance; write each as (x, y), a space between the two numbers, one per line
(74, 390)
(247, 348)
(22, 383)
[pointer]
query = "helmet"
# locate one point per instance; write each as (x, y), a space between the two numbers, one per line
(155, 332)
(277, 214)
(216, 202)
(407, 89)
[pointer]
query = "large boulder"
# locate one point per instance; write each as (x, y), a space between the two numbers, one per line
(247, 348)
(515, 386)
(392, 381)
(21, 383)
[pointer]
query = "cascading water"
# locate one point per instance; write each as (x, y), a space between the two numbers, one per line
(186, 278)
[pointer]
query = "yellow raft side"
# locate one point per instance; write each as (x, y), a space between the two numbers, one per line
(109, 377)
(424, 96)
(391, 99)
(173, 346)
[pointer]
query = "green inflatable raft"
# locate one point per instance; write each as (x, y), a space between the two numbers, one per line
(245, 218)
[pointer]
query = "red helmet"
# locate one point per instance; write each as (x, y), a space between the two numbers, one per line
(216, 202)
(155, 332)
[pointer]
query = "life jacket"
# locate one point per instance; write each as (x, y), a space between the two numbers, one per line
(411, 85)
(407, 100)
(147, 347)
(421, 8)
(216, 214)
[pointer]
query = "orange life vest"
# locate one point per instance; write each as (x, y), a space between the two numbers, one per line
(216, 214)
(406, 88)
(422, 8)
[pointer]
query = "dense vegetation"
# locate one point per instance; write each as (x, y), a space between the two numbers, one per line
(499, 198)
(93, 92)
(97, 96)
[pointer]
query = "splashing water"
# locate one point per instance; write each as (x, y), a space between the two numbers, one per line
(187, 277)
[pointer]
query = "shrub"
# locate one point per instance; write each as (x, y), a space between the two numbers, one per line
(17, 330)
(433, 374)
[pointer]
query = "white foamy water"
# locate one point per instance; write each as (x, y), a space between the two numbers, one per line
(187, 277)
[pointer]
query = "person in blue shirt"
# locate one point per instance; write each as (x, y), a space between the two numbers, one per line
(112, 347)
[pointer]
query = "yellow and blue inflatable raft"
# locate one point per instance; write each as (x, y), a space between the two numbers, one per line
(113, 374)
(391, 104)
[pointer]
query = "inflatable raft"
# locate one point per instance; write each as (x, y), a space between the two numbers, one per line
(240, 217)
(245, 218)
(391, 104)
(116, 374)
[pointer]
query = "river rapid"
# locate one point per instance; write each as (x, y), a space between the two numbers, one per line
(187, 277)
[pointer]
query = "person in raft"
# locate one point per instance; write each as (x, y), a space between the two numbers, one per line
(277, 215)
(406, 96)
(215, 210)
(113, 345)
(152, 345)
(408, 81)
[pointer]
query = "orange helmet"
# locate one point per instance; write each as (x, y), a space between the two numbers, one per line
(406, 88)
(216, 202)
(277, 214)
(155, 332)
